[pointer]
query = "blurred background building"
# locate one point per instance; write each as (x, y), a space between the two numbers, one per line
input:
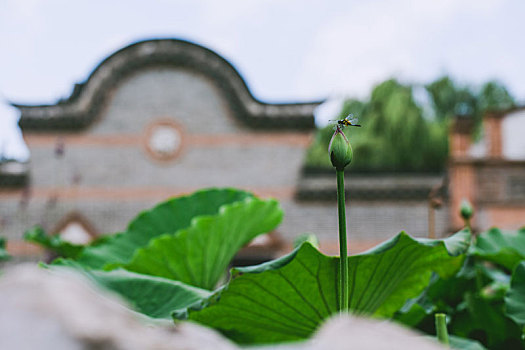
(161, 118)
(164, 117)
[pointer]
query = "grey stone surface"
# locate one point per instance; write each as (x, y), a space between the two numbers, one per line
(62, 311)
(366, 220)
(257, 165)
(348, 332)
(187, 97)
(376, 181)
(106, 216)
(110, 183)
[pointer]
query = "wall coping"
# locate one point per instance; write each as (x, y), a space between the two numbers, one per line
(81, 108)
(365, 187)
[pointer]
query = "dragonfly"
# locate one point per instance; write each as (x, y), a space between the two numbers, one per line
(350, 120)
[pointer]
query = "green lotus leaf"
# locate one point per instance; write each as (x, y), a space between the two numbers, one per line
(200, 254)
(287, 299)
(515, 298)
(155, 297)
(485, 320)
(448, 295)
(4, 255)
(506, 248)
(54, 243)
(465, 343)
(473, 299)
(166, 218)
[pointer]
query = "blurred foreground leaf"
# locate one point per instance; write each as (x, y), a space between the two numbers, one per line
(54, 243)
(153, 296)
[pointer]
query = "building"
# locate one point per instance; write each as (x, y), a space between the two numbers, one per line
(161, 118)
(489, 173)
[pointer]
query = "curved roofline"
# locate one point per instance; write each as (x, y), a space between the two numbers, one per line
(81, 108)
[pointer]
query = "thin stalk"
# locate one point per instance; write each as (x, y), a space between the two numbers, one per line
(343, 250)
(441, 328)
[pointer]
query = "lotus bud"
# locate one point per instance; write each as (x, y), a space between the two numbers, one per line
(466, 210)
(340, 150)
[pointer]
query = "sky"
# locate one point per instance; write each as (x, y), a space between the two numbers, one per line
(287, 51)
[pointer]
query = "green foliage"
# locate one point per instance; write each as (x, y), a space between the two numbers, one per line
(397, 136)
(4, 255)
(166, 271)
(200, 254)
(166, 218)
(54, 243)
(170, 257)
(477, 299)
(515, 298)
(464, 344)
(287, 299)
(495, 97)
(450, 100)
(506, 249)
(191, 240)
(153, 296)
(394, 136)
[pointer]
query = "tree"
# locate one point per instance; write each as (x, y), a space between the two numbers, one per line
(395, 135)
(494, 97)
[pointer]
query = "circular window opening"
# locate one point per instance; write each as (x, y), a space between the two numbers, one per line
(163, 140)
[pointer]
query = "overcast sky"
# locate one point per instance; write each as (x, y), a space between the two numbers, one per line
(286, 50)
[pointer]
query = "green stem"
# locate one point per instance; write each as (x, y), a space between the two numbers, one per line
(343, 250)
(467, 223)
(441, 328)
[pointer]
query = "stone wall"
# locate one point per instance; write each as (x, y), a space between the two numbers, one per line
(188, 97)
(165, 117)
(107, 173)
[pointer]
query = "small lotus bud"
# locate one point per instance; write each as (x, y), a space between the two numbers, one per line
(466, 210)
(340, 150)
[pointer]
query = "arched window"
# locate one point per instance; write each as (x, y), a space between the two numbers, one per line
(76, 229)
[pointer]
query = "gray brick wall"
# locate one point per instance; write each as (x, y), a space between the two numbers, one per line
(127, 166)
(504, 183)
(189, 98)
(366, 220)
(197, 105)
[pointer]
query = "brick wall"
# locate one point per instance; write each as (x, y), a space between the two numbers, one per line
(107, 174)
(495, 185)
